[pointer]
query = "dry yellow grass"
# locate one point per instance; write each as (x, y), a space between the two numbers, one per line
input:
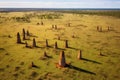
(15, 59)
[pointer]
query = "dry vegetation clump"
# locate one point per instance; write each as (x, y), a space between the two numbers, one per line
(15, 74)
(33, 75)
(17, 68)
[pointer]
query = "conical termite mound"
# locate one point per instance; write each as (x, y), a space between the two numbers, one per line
(18, 38)
(56, 46)
(62, 61)
(52, 26)
(79, 54)
(101, 54)
(66, 43)
(32, 64)
(58, 37)
(45, 54)
(55, 27)
(42, 23)
(24, 37)
(23, 31)
(69, 24)
(28, 34)
(47, 43)
(98, 28)
(109, 28)
(34, 42)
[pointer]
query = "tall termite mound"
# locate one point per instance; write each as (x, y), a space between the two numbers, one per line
(28, 34)
(24, 34)
(47, 43)
(79, 54)
(34, 42)
(62, 61)
(18, 38)
(55, 46)
(66, 43)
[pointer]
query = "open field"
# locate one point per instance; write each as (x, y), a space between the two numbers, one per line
(100, 49)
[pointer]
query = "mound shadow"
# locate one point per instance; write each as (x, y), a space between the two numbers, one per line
(80, 69)
(73, 48)
(39, 47)
(49, 46)
(21, 43)
(90, 60)
(35, 66)
(49, 56)
(60, 49)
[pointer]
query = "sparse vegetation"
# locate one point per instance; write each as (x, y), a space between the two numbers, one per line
(89, 45)
(114, 13)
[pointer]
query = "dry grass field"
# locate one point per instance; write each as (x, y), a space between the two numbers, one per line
(100, 49)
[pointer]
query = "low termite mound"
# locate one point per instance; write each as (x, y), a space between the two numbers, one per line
(28, 46)
(45, 56)
(32, 65)
(101, 54)
(109, 28)
(69, 24)
(54, 27)
(99, 29)
(9, 36)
